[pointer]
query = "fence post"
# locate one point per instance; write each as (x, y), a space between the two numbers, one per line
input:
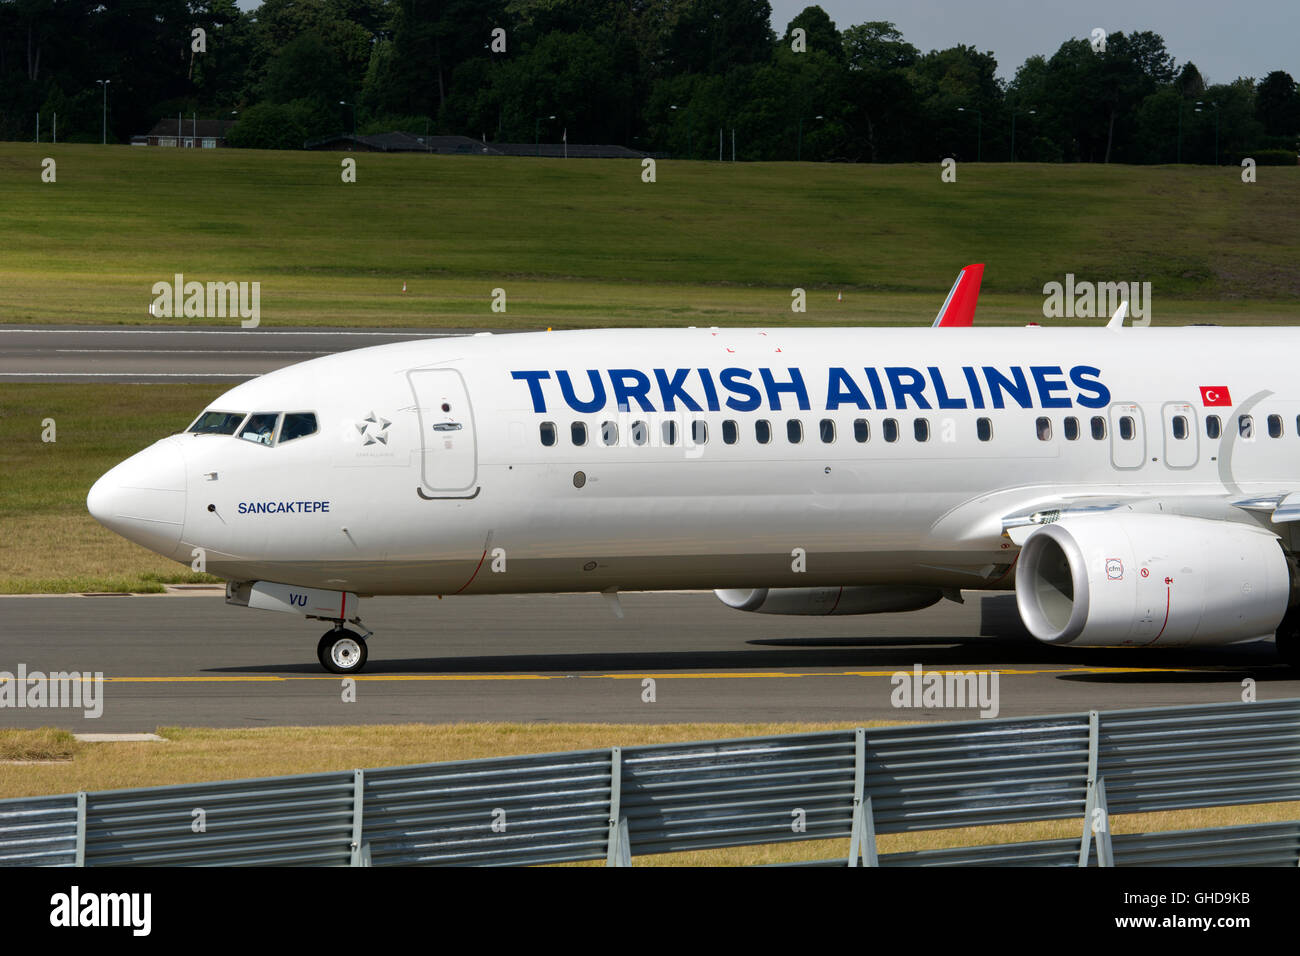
(1096, 814)
(862, 836)
(619, 849)
(1090, 802)
(360, 854)
(81, 829)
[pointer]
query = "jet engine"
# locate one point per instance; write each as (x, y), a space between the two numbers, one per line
(1151, 580)
(864, 599)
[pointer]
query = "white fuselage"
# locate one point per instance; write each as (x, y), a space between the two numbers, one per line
(429, 472)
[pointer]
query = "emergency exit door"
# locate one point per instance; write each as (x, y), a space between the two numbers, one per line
(1128, 447)
(449, 448)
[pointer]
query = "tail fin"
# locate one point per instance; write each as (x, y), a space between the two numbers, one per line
(959, 307)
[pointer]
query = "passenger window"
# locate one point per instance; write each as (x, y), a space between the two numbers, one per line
(640, 433)
(861, 430)
(548, 433)
(1275, 426)
(827, 429)
(609, 433)
(578, 432)
(1098, 425)
(984, 429)
(1213, 427)
(763, 431)
(891, 429)
(1127, 428)
(1071, 428)
(297, 425)
(921, 429)
(730, 433)
(260, 428)
(700, 433)
(1180, 427)
(1246, 426)
(217, 423)
(794, 431)
(1044, 428)
(670, 433)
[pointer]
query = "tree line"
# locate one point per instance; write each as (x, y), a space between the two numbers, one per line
(672, 77)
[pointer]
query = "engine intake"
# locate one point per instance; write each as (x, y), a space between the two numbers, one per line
(1164, 580)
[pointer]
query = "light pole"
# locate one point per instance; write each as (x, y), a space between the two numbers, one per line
(1013, 130)
(354, 116)
(103, 139)
(979, 132)
(1199, 105)
(537, 131)
(798, 155)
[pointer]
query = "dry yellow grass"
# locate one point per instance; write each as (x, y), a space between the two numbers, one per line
(47, 743)
(196, 754)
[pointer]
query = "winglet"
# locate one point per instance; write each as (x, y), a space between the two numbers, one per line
(959, 308)
(1117, 320)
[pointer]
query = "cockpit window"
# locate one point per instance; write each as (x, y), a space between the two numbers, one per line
(260, 428)
(217, 423)
(297, 425)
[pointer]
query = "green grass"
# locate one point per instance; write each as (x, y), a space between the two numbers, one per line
(48, 541)
(586, 243)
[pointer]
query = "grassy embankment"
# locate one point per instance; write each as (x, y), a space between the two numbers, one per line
(586, 243)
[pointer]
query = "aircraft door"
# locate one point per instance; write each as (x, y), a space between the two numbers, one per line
(448, 444)
(1181, 435)
(1128, 447)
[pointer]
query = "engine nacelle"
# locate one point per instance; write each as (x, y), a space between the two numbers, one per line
(1162, 580)
(863, 599)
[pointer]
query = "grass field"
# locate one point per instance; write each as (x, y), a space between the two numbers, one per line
(48, 541)
(190, 755)
(586, 243)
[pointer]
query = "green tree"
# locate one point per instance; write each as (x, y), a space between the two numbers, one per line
(1277, 105)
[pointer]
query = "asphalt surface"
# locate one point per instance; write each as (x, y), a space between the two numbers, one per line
(193, 660)
(166, 354)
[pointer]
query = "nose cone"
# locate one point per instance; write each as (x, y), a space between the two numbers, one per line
(143, 498)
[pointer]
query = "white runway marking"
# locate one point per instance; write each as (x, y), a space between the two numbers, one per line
(130, 374)
(196, 351)
(407, 334)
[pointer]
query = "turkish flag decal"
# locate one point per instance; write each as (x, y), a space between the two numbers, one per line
(1215, 395)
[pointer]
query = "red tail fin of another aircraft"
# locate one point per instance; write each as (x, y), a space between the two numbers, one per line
(959, 307)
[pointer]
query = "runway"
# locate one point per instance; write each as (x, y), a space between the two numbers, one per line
(173, 354)
(195, 661)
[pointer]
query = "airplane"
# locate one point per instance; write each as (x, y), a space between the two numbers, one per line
(1135, 487)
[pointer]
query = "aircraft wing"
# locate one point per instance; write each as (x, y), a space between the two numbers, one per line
(1017, 525)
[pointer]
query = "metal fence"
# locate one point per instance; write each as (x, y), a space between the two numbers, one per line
(618, 803)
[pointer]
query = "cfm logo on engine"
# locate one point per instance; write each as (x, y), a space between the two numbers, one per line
(1114, 569)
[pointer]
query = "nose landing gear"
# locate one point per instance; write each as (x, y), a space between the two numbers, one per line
(343, 651)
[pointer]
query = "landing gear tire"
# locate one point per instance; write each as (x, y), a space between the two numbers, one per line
(342, 651)
(1288, 638)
